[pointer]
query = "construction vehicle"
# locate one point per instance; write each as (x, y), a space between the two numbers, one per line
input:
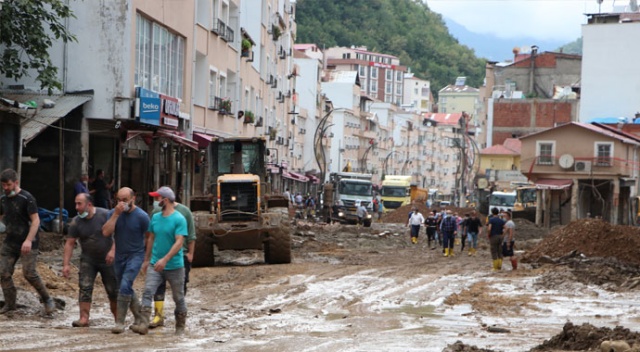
(395, 192)
(344, 191)
(242, 214)
(503, 201)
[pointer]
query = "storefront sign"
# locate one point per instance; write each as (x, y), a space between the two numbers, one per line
(170, 111)
(378, 64)
(147, 108)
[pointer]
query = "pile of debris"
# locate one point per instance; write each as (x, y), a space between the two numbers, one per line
(592, 238)
(586, 337)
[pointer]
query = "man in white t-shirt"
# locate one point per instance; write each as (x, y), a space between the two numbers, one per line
(509, 240)
(415, 220)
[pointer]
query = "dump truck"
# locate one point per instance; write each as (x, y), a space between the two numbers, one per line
(241, 214)
(344, 191)
(395, 192)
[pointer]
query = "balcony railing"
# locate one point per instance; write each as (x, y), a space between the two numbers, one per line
(604, 161)
(544, 160)
(222, 29)
(230, 35)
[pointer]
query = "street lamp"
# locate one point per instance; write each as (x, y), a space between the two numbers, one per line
(384, 163)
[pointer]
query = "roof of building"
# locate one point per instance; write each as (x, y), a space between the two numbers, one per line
(304, 46)
(514, 144)
(498, 149)
(343, 76)
(442, 118)
(597, 128)
(452, 88)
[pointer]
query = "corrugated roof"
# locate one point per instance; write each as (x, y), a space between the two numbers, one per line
(452, 88)
(39, 119)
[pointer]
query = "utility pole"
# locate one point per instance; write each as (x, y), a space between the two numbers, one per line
(463, 161)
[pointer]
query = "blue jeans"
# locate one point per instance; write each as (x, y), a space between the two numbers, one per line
(176, 280)
(449, 239)
(127, 266)
(472, 237)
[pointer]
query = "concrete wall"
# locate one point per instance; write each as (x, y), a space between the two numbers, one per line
(610, 70)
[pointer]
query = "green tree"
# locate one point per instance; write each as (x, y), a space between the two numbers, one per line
(403, 28)
(28, 29)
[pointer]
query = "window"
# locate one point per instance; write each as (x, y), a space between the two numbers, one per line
(374, 86)
(425, 91)
(223, 87)
(159, 58)
(374, 72)
(362, 71)
(389, 75)
(215, 6)
(604, 154)
(398, 88)
(545, 151)
(399, 76)
(213, 85)
(388, 87)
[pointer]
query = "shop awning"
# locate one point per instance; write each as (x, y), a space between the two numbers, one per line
(40, 118)
(202, 139)
(313, 179)
(273, 169)
(163, 134)
(553, 184)
(295, 176)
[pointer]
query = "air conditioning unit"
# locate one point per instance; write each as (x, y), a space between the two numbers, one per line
(582, 166)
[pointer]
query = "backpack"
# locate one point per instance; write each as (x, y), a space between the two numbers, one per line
(449, 224)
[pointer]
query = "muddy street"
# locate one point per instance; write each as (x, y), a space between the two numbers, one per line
(352, 289)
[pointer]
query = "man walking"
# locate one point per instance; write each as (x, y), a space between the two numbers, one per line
(96, 257)
(167, 232)
(415, 220)
(19, 212)
(127, 224)
(188, 249)
(494, 232)
(430, 223)
(449, 228)
(474, 228)
(509, 240)
(361, 213)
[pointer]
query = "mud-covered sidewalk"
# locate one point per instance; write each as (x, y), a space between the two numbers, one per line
(351, 289)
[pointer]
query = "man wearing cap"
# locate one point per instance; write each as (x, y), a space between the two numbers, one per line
(167, 232)
(188, 249)
(128, 225)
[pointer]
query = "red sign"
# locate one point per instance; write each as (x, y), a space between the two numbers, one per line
(378, 64)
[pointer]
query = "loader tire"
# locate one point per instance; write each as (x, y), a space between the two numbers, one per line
(277, 249)
(203, 253)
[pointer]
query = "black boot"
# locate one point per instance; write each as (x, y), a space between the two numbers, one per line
(181, 322)
(124, 301)
(9, 300)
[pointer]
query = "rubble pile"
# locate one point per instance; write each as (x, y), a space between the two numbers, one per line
(458, 346)
(585, 337)
(591, 237)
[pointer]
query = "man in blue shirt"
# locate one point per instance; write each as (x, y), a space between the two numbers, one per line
(494, 232)
(127, 224)
(167, 233)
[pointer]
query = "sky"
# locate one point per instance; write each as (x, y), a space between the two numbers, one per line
(539, 19)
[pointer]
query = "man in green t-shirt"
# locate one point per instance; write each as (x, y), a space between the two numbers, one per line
(167, 231)
(188, 249)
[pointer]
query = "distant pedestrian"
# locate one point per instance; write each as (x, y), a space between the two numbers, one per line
(494, 233)
(81, 185)
(361, 213)
(449, 228)
(508, 243)
(102, 191)
(287, 195)
(474, 229)
(431, 223)
(463, 231)
(415, 220)
(19, 212)
(96, 257)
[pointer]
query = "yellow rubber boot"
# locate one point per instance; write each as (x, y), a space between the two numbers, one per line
(499, 267)
(158, 318)
(495, 265)
(451, 252)
(446, 252)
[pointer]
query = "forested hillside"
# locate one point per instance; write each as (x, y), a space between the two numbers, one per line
(404, 28)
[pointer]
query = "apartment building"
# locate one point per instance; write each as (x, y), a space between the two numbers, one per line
(418, 97)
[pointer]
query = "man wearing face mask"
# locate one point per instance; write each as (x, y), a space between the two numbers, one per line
(167, 232)
(96, 257)
(127, 224)
(19, 212)
(187, 249)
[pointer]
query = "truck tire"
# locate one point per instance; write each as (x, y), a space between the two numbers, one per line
(277, 249)
(203, 253)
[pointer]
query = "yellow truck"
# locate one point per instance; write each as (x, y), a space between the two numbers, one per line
(395, 192)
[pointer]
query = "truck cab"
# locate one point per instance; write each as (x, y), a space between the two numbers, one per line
(349, 189)
(396, 191)
(504, 201)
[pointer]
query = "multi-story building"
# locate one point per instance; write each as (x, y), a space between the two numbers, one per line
(147, 85)
(381, 75)
(458, 98)
(417, 97)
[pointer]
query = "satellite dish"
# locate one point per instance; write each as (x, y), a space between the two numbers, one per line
(482, 183)
(566, 161)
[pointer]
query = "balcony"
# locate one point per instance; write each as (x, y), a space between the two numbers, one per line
(230, 36)
(221, 29)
